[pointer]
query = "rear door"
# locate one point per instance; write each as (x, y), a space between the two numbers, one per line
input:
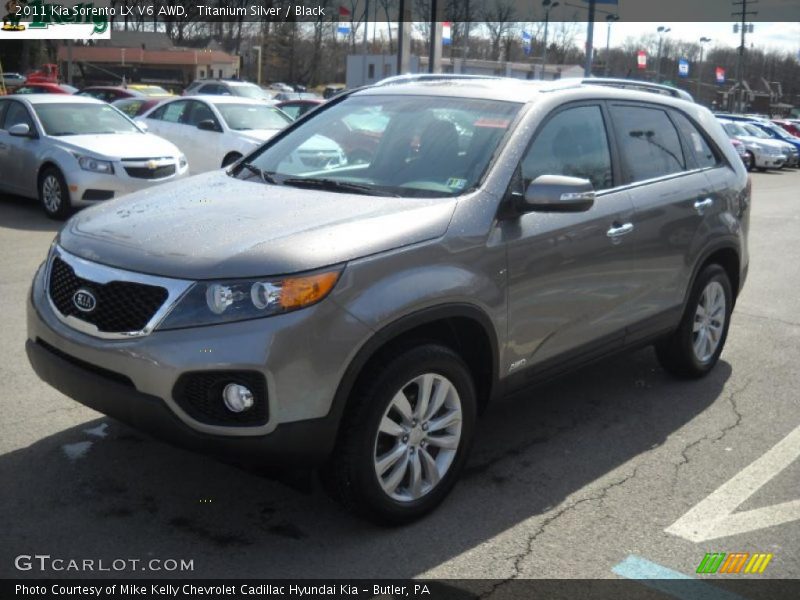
(570, 275)
(165, 122)
(672, 196)
(203, 148)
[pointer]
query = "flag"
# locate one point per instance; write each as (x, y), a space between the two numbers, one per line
(683, 68)
(720, 75)
(344, 21)
(641, 59)
(447, 27)
(527, 38)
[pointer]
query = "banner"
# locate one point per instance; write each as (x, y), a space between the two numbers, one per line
(344, 21)
(527, 39)
(720, 75)
(683, 68)
(447, 28)
(641, 59)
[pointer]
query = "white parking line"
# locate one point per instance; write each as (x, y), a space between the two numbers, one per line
(714, 517)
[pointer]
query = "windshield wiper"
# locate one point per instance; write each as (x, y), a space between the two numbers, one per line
(337, 186)
(263, 174)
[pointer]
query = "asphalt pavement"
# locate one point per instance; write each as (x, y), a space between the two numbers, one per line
(608, 472)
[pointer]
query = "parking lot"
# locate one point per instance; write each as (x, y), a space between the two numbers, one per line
(579, 478)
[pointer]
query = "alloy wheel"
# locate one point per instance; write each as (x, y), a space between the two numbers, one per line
(51, 193)
(709, 321)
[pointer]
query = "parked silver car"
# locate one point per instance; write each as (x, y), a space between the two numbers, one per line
(71, 151)
(495, 233)
(763, 152)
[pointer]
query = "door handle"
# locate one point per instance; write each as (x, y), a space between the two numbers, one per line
(619, 230)
(701, 205)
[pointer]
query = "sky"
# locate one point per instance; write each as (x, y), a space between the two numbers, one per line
(781, 36)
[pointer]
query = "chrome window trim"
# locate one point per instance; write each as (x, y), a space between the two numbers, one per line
(103, 274)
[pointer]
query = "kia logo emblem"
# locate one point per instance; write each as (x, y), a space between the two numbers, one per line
(84, 300)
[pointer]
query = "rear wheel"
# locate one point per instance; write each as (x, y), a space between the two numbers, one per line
(54, 194)
(750, 160)
(406, 438)
(694, 348)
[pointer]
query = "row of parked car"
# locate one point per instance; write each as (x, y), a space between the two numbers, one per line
(74, 149)
(763, 143)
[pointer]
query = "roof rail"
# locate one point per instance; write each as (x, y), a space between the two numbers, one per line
(644, 86)
(412, 77)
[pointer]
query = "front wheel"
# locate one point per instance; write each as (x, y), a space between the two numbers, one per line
(694, 348)
(54, 194)
(406, 438)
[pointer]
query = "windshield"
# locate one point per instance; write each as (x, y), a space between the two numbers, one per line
(399, 145)
(241, 117)
(252, 91)
(755, 131)
(82, 119)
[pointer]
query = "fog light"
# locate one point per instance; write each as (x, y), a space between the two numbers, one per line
(237, 397)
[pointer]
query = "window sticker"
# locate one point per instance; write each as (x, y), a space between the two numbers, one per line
(455, 183)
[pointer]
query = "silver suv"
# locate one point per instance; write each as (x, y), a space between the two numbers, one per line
(482, 235)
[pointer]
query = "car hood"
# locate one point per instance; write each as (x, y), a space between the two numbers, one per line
(213, 226)
(750, 139)
(119, 145)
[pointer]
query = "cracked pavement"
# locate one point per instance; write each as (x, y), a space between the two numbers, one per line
(566, 479)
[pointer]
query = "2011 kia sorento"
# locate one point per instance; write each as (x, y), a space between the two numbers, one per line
(356, 316)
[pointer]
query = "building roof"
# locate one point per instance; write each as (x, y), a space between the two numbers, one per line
(134, 55)
(137, 39)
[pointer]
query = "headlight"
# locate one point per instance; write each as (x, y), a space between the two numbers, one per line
(88, 163)
(211, 302)
(182, 162)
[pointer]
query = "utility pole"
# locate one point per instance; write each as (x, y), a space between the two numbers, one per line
(743, 13)
(548, 6)
(609, 19)
(661, 32)
(587, 69)
(703, 40)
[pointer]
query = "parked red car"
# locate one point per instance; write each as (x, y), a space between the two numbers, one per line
(45, 88)
(137, 105)
(792, 128)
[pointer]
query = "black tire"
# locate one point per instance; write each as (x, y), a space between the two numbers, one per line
(751, 161)
(350, 475)
(230, 159)
(677, 353)
(762, 169)
(54, 194)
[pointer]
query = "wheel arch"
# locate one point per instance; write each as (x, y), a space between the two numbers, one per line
(725, 255)
(464, 328)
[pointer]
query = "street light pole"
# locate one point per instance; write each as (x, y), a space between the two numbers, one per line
(703, 40)
(548, 5)
(661, 31)
(609, 19)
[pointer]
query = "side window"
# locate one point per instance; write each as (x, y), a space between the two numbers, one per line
(648, 141)
(3, 108)
(292, 110)
(198, 111)
(704, 155)
(211, 88)
(171, 113)
(15, 115)
(574, 143)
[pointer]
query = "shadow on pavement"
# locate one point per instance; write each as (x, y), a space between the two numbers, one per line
(26, 214)
(123, 495)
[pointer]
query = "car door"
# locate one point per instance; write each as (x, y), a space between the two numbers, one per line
(204, 148)
(569, 274)
(671, 196)
(165, 121)
(19, 153)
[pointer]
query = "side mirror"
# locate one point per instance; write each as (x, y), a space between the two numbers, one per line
(207, 125)
(21, 130)
(141, 125)
(558, 193)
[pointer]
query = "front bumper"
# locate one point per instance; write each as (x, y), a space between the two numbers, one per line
(302, 356)
(87, 187)
(305, 443)
(770, 161)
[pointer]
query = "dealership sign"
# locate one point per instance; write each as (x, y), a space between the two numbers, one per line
(720, 75)
(641, 59)
(70, 19)
(683, 67)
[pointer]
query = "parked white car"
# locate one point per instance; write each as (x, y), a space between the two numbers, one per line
(215, 131)
(763, 153)
(71, 151)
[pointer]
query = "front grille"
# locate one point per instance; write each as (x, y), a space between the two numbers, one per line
(147, 173)
(120, 306)
(199, 393)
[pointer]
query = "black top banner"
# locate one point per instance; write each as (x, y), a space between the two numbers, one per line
(358, 11)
